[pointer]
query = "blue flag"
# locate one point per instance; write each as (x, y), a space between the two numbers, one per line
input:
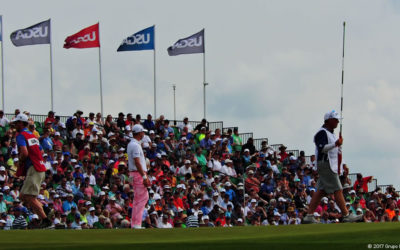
(1, 26)
(142, 40)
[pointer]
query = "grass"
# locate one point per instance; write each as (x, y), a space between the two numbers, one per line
(333, 236)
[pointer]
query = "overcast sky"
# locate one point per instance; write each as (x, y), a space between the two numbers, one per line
(273, 67)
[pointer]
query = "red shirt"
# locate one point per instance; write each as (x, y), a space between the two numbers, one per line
(364, 183)
(221, 221)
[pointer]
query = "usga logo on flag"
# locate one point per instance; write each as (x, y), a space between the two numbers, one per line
(142, 40)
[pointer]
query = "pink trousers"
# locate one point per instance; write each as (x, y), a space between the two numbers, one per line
(140, 199)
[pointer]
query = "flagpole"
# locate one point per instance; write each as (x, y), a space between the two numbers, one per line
(204, 79)
(51, 74)
(101, 84)
(341, 92)
(154, 77)
(2, 66)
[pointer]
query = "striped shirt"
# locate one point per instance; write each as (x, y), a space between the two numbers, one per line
(192, 221)
(19, 223)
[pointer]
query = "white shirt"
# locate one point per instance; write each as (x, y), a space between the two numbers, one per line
(135, 151)
(92, 179)
(92, 219)
(75, 131)
(145, 141)
(166, 225)
(215, 165)
(4, 121)
(183, 170)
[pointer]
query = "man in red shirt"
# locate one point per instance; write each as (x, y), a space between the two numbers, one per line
(362, 183)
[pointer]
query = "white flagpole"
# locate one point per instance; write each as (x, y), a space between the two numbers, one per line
(51, 73)
(154, 77)
(2, 66)
(101, 84)
(204, 78)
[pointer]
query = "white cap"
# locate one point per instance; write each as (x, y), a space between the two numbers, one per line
(158, 155)
(228, 161)
(35, 216)
(228, 184)
(40, 197)
(292, 158)
(151, 132)
(246, 150)
(196, 203)
(359, 210)
(187, 162)
(20, 117)
(121, 149)
(331, 115)
(316, 214)
(253, 200)
(157, 197)
(205, 217)
(102, 193)
(88, 203)
(282, 199)
(6, 188)
(352, 192)
(222, 190)
(240, 220)
(277, 214)
(325, 200)
(137, 128)
(2, 168)
(73, 160)
(57, 133)
(91, 209)
(388, 196)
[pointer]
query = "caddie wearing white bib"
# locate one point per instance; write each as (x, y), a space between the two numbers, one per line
(327, 150)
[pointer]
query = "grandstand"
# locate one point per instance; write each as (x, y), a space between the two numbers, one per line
(271, 185)
(39, 120)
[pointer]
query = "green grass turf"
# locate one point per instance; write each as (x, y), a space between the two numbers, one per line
(334, 236)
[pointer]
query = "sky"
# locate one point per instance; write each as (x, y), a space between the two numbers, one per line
(273, 68)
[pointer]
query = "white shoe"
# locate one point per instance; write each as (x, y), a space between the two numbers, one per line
(138, 227)
(352, 218)
(310, 219)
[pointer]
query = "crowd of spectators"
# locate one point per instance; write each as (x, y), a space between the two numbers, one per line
(199, 177)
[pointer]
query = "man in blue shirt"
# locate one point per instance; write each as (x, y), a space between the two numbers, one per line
(69, 203)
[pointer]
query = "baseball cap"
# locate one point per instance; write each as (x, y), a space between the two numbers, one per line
(91, 209)
(57, 133)
(253, 200)
(331, 115)
(388, 196)
(2, 168)
(277, 214)
(205, 217)
(137, 128)
(316, 214)
(102, 193)
(35, 216)
(352, 192)
(187, 162)
(20, 117)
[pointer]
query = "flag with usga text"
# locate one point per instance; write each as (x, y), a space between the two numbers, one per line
(189, 45)
(86, 38)
(142, 40)
(35, 34)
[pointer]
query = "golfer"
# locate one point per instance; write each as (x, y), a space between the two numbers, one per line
(327, 150)
(31, 166)
(138, 175)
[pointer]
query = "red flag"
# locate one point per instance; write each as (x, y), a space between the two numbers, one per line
(86, 38)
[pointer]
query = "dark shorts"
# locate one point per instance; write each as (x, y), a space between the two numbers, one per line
(328, 180)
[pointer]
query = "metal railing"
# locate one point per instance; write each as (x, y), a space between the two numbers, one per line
(225, 130)
(41, 118)
(275, 147)
(245, 137)
(258, 142)
(383, 187)
(295, 153)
